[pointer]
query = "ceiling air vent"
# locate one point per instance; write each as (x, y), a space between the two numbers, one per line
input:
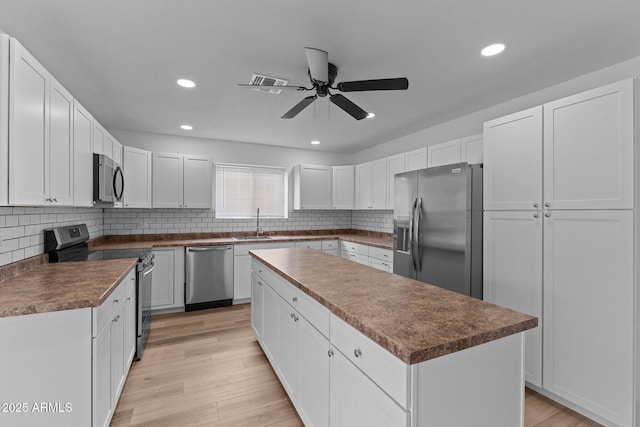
(261, 79)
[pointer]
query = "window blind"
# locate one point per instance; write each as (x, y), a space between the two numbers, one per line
(242, 189)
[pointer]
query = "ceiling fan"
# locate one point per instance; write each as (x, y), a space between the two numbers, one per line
(322, 74)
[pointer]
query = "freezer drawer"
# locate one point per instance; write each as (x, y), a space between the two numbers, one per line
(209, 277)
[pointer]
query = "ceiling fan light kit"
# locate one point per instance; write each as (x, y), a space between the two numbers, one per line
(322, 75)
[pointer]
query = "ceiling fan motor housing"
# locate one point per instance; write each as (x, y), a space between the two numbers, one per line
(322, 88)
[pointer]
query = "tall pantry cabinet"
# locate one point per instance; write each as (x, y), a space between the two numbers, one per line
(559, 244)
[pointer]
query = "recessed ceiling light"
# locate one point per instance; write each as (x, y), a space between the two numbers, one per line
(371, 115)
(316, 142)
(186, 83)
(493, 49)
(186, 127)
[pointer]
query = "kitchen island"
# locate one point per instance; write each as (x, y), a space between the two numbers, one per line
(356, 346)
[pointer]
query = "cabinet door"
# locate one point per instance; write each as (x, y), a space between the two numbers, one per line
(363, 186)
(315, 187)
(60, 163)
(167, 180)
(28, 128)
(513, 161)
(101, 376)
(288, 347)
(589, 311)
(117, 152)
(198, 181)
(513, 275)
(257, 305)
(99, 135)
(343, 187)
(130, 316)
(117, 354)
(445, 153)
(379, 184)
(270, 327)
(395, 164)
(107, 144)
(358, 401)
(588, 149)
(313, 375)
(137, 166)
(241, 277)
(416, 159)
(82, 156)
(162, 292)
(471, 149)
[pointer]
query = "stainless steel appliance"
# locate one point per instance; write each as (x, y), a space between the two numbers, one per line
(209, 281)
(69, 243)
(108, 180)
(437, 236)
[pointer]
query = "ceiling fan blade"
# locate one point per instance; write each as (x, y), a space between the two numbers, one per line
(250, 86)
(318, 61)
(299, 107)
(349, 107)
(400, 83)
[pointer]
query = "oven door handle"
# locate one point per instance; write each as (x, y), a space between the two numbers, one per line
(209, 248)
(144, 273)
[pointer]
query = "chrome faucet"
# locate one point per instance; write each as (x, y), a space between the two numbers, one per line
(258, 223)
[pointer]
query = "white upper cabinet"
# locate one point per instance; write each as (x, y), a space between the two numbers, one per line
(137, 165)
(198, 181)
(371, 185)
(82, 156)
(513, 161)
(167, 180)
(99, 135)
(59, 167)
(444, 153)
(28, 128)
(312, 187)
(395, 164)
(588, 149)
(117, 152)
(4, 124)
(416, 159)
(471, 149)
(343, 187)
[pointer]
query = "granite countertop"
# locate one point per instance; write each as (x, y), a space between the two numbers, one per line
(381, 242)
(412, 320)
(62, 286)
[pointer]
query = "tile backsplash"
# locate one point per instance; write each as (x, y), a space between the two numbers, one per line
(22, 229)
(381, 220)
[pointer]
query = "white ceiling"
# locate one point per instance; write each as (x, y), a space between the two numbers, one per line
(120, 58)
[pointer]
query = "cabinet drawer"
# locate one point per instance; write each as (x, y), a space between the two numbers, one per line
(387, 371)
(354, 247)
(105, 312)
(381, 265)
(312, 244)
(329, 245)
(381, 254)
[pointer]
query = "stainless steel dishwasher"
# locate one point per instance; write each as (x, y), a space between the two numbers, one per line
(209, 277)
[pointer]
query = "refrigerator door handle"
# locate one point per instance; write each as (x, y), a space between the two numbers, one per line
(417, 216)
(411, 226)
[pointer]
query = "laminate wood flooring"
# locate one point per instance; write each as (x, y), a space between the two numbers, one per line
(205, 368)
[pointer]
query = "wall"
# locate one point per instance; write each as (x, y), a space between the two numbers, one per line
(22, 229)
(472, 124)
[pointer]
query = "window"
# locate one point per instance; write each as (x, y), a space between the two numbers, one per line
(242, 189)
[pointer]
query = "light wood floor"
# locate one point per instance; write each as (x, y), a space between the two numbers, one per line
(205, 368)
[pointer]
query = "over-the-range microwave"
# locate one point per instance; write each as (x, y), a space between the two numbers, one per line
(108, 180)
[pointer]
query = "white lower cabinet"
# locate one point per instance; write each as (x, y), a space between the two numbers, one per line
(257, 306)
(242, 268)
(313, 372)
(167, 288)
(130, 318)
(270, 324)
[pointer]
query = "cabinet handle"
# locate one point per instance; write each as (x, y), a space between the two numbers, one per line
(116, 317)
(536, 205)
(547, 214)
(292, 315)
(357, 352)
(330, 353)
(536, 215)
(259, 271)
(547, 205)
(115, 301)
(55, 200)
(259, 283)
(128, 298)
(296, 318)
(295, 299)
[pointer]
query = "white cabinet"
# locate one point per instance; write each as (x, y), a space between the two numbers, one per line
(331, 247)
(513, 161)
(313, 374)
(257, 305)
(444, 153)
(99, 136)
(343, 187)
(117, 152)
(395, 164)
(416, 159)
(130, 318)
(588, 149)
(102, 405)
(371, 185)
(312, 187)
(137, 165)
(513, 274)
(309, 244)
(182, 181)
(59, 167)
(471, 149)
(4, 124)
(82, 156)
(288, 347)
(270, 325)
(589, 311)
(167, 292)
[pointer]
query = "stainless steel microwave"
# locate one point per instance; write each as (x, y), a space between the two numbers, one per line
(108, 180)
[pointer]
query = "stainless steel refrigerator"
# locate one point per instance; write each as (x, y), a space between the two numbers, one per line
(437, 236)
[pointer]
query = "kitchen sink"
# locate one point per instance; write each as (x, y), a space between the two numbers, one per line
(251, 238)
